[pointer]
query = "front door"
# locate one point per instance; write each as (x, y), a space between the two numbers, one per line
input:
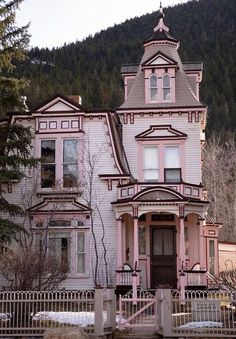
(163, 256)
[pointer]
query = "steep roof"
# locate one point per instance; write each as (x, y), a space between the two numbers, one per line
(160, 41)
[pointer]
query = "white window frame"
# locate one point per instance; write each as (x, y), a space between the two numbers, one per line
(165, 87)
(152, 88)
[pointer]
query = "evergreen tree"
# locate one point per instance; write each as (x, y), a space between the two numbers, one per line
(15, 140)
(13, 44)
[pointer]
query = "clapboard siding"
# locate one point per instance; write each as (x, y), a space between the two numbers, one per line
(192, 143)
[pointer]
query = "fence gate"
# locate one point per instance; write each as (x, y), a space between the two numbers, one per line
(138, 310)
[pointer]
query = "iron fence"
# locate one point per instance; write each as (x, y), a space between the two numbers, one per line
(31, 312)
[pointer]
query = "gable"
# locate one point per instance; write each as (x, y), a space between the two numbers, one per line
(59, 104)
(159, 59)
(161, 132)
(54, 205)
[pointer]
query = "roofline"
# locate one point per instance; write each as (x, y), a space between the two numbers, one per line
(162, 108)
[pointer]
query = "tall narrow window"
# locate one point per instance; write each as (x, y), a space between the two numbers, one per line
(212, 257)
(59, 248)
(70, 163)
(153, 87)
(166, 87)
(80, 252)
(48, 163)
(151, 164)
(172, 171)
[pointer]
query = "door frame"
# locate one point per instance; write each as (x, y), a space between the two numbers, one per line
(162, 226)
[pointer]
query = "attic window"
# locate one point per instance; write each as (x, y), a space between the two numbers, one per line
(153, 87)
(166, 87)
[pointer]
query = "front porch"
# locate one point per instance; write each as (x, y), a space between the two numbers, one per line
(161, 236)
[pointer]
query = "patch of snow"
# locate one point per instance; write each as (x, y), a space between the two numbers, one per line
(202, 324)
(81, 319)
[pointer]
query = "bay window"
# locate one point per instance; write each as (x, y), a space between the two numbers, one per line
(59, 246)
(69, 247)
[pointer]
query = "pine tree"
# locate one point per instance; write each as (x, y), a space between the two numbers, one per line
(13, 44)
(15, 140)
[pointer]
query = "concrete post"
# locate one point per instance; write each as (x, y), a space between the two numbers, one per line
(164, 311)
(111, 308)
(98, 312)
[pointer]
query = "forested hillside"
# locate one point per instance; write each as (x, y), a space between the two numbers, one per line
(91, 68)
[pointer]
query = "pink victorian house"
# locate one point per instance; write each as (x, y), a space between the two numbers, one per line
(128, 181)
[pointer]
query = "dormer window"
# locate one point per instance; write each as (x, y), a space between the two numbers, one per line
(153, 87)
(166, 87)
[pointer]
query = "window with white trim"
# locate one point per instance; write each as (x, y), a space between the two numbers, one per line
(153, 87)
(151, 163)
(48, 163)
(59, 162)
(80, 252)
(68, 246)
(161, 163)
(70, 168)
(166, 87)
(172, 170)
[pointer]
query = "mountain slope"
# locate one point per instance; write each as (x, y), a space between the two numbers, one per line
(91, 68)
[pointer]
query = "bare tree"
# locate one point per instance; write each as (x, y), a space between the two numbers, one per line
(26, 266)
(219, 177)
(91, 196)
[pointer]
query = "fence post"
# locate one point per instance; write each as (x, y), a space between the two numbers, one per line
(111, 308)
(165, 311)
(98, 312)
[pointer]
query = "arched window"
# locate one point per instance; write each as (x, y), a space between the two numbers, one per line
(153, 87)
(166, 87)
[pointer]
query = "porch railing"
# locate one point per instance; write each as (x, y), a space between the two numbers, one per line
(30, 313)
(186, 189)
(196, 278)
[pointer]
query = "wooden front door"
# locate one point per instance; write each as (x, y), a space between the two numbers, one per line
(163, 256)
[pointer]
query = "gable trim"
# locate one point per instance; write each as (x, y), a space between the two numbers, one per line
(170, 61)
(176, 135)
(56, 98)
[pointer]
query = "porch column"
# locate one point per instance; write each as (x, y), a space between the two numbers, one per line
(202, 252)
(136, 249)
(182, 278)
(119, 244)
(181, 242)
(136, 280)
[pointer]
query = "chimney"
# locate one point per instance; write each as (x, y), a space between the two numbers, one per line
(76, 98)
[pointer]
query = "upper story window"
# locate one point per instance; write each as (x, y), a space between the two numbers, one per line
(59, 163)
(70, 169)
(161, 163)
(48, 163)
(172, 170)
(166, 87)
(151, 163)
(153, 87)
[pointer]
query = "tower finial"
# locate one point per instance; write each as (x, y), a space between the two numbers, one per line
(161, 26)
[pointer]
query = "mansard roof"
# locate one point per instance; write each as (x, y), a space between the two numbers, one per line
(161, 42)
(160, 35)
(184, 94)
